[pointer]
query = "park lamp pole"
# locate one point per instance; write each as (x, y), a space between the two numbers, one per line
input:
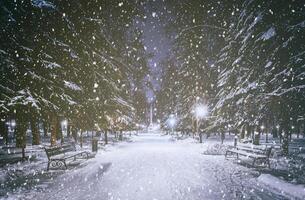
(201, 111)
(235, 135)
(266, 136)
(137, 128)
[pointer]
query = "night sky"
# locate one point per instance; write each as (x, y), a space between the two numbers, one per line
(156, 41)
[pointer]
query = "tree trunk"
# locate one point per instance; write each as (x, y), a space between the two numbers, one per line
(257, 136)
(54, 130)
(21, 126)
(68, 130)
(81, 139)
(304, 129)
(45, 128)
(281, 134)
(106, 136)
(35, 131)
(274, 132)
(242, 133)
(121, 135)
(285, 125)
(200, 137)
(235, 139)
(253, 133)
(285, 145)
(222, 135)
(4, 131)
(61, 133)
(74, 133)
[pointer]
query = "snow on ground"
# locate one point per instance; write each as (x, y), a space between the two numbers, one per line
(32, 175)
(287, 189)
(154, 167)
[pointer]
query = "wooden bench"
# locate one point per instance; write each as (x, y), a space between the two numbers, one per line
(251, 151)
(58, 155)
(12, 154)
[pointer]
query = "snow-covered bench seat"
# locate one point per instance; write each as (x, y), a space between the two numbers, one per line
(251, 151)
(58, 155)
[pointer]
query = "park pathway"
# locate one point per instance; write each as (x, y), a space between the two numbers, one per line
(153, 167)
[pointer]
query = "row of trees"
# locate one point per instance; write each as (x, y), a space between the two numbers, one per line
(246, 61)
(74, 60)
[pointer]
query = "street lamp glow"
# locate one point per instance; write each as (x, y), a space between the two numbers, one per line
(201, 111)
(64, 123)
(172, 121)
(155, 127)
(13, 123)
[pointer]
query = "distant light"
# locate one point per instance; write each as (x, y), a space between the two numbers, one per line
(64, 123)
(201, 111)
(262, 127)
(172, 121)
(277, 126)
(155, 127)
(97, 126)
(13, 123)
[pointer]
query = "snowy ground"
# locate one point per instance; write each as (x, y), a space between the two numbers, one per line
(154, 167)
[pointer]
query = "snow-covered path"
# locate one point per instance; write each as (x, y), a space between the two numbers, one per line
(153, 167)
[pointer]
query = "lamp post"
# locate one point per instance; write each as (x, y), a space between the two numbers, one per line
(200, 112)
(64, 125)
(13, 128)
(266, 137)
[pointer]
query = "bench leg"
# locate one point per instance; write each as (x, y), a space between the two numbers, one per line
(48, 167)
(85, 155)
(65, 164)
(237, 156)
(268, 162)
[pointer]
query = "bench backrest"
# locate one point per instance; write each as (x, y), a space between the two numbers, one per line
(57, 150)
(266, 150)
(11, 150)
(252, 146)
(250, 149)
